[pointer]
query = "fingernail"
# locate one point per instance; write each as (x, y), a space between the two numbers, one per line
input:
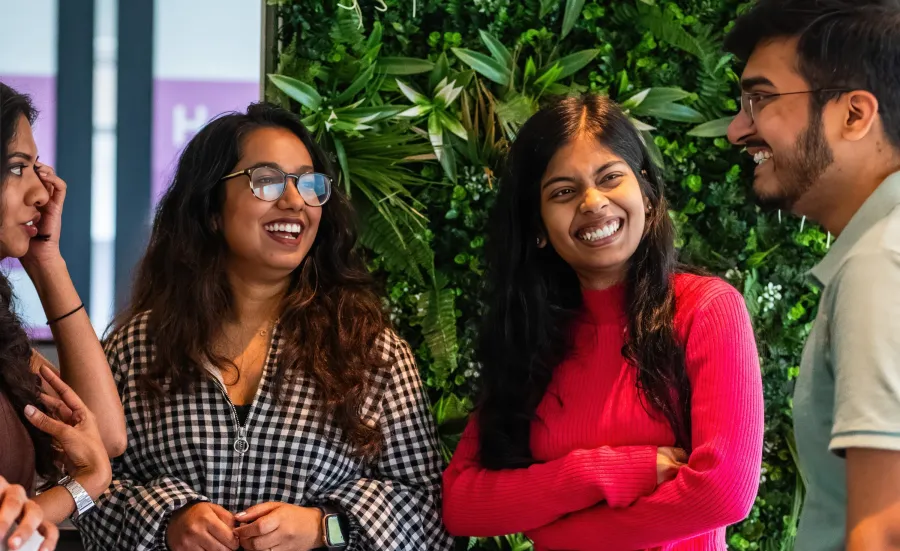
(30, 410)
(15, 542)
(241, 514)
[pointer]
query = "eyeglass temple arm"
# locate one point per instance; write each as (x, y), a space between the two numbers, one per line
(245, 172)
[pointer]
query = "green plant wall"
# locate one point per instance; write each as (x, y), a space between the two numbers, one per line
(417, 101)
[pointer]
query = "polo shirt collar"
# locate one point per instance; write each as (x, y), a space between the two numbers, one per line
(882, 201)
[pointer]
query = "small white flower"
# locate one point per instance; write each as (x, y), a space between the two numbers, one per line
(770, 295)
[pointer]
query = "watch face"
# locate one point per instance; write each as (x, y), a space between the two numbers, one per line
(333, 531)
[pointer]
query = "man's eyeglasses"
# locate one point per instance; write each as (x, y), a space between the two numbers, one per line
(268, 183)
(752, 102)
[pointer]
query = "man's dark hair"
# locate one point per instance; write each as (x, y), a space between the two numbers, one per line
(843, 44)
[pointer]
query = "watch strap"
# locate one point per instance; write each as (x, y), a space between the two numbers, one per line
(83, 500)
(331, 512)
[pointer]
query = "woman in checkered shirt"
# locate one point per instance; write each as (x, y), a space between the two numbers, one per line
(268, 403)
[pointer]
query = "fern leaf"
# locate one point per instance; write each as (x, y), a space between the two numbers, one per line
(439, 328)
(400, 247)
(671, 32)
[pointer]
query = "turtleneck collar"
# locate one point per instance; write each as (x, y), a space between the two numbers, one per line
(606, 305)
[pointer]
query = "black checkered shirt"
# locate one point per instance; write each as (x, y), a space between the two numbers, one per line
(183, 450)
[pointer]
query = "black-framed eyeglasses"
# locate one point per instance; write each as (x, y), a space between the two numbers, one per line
(268, 184)
(748, 99)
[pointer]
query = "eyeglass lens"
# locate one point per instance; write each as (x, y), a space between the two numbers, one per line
(269, 183)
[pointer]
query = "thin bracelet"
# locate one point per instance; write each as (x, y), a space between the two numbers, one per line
(64, 316)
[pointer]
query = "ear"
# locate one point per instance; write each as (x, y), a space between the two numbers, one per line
(862, 113)
(541, 242)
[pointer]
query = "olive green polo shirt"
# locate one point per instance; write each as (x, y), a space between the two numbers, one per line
(848, 391)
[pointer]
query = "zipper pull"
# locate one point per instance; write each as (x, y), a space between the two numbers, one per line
(241, 445)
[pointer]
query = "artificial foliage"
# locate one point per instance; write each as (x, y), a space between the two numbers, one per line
(417, 102)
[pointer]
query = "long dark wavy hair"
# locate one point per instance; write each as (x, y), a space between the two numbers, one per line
(17, 381)
(535, 295)
(330, 315)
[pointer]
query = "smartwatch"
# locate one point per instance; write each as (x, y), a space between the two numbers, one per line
(83, 501)
(335, 528)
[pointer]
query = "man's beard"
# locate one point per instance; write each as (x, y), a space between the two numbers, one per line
(799, 170)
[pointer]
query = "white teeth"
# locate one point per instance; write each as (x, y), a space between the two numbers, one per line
(761, 157)
(29, 223)
(295, 229)
(602, 233)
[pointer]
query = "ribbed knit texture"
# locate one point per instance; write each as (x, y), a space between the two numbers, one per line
(594, 486)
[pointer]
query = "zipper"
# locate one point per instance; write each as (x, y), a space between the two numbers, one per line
(240, 444)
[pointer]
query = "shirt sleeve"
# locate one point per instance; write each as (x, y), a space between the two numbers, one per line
(480, 502)
(718, 485)
(398, 507)
(134, 512)
(134, 516)
(865, 353)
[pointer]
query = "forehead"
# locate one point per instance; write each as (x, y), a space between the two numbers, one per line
(23, 140)
(774, 64)
(277, 145)
(583, 153)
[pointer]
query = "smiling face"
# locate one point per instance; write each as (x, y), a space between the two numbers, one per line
(23, 193)
(593, 211)
(269, 237)
(787, 141)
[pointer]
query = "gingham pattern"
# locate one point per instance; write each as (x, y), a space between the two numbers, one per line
(182, 450)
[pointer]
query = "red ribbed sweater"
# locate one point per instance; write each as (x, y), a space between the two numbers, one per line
(594, 486)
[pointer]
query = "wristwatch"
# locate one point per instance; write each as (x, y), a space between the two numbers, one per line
(83, 501)
(335, 528)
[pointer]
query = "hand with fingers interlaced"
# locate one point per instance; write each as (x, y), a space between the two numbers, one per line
(202, 526)
(280, 527)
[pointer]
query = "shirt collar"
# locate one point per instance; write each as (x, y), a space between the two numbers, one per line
(882, 201)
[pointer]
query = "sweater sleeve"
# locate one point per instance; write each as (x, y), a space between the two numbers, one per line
(480, 502)
(718, 485)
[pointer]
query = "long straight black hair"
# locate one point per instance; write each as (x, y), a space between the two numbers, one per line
(535, 295)
(17, 381)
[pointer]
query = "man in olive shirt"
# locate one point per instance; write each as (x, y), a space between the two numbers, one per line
(821, 117)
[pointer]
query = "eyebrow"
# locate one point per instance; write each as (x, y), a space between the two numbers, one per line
(303, 169)
(750, 82)
(603, 168)
(20, 155)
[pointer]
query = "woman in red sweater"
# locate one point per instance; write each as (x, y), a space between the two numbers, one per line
(621, 403)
